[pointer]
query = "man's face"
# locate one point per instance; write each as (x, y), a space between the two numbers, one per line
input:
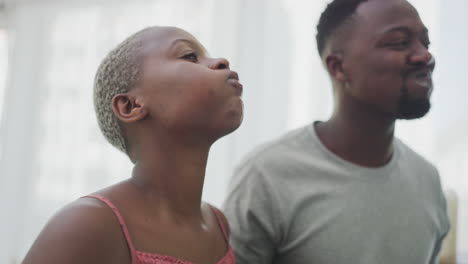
(386, 59)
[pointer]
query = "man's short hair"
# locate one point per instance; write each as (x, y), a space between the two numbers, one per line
(118, 73)
(332, 18)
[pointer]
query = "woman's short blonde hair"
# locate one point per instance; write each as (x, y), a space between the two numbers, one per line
(118, 72)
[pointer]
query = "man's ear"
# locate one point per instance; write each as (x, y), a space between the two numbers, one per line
(334, 64)
(128, 108)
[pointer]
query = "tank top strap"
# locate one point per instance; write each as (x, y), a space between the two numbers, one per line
(122, 224)
(219, 219)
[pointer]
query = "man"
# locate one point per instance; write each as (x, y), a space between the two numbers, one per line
(346, 190)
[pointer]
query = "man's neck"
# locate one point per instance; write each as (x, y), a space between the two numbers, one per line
(362, 140)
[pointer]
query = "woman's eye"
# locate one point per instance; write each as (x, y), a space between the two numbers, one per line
(190, 57)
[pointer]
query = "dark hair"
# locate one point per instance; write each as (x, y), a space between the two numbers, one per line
(334, 15)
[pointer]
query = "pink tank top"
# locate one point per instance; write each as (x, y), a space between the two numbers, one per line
(139, 257)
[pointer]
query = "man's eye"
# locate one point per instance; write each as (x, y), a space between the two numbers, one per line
(426, 44)
(190, 57)
(400, 44)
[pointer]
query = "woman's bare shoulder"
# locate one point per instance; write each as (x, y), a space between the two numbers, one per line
(84, 231)
(208, 208)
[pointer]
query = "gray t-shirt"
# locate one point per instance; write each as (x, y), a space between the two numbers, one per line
(293, 201)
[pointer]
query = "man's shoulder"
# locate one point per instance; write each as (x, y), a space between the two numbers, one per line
(277, 150)
(411, 157)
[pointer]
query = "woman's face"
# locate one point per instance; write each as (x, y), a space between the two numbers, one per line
(185, 91)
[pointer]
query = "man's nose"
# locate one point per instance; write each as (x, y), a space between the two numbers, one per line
(422, 57)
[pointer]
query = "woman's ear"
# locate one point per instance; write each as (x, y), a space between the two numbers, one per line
(334, 64)
(128, 108)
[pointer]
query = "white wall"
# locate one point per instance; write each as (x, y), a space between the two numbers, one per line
(53, 150)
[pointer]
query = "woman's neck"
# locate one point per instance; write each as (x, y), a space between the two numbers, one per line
(171, 174)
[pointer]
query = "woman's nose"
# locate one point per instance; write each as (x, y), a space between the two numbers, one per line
(219, 64)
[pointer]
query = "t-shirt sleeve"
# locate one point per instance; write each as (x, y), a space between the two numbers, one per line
(439, 243)
(252, 215)
(444, 224)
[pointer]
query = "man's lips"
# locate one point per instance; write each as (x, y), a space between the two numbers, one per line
(423, 82)
(422, 72)
(422, 77)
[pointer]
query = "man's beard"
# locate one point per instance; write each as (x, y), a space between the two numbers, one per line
(412, 108)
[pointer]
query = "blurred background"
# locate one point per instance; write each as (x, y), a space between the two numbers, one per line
(52, 152)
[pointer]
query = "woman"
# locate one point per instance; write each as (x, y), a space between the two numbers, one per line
(163, 101)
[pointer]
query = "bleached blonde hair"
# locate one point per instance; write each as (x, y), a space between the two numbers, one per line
(118, 73)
